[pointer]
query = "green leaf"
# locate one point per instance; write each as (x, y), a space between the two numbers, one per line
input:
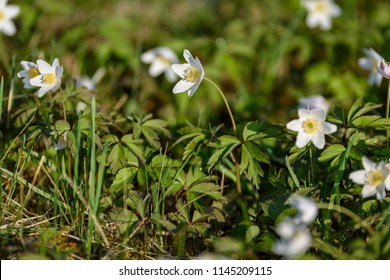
(210, 189)
(331, 152)
(226, 145)
(250, 158)
(260, 129)
(364, 121)
(110, 139)
(61, 126)
(165, 223)
(192, 146)
(134, 145)
(116, 159)
(354, 108)
(124, 177)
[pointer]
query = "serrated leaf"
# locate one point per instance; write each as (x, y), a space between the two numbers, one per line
(110, 139)
(260, 129)
(250, 162)
(382, 122)
(123, 178)
(61, 126)
(209, 189)
(192, 145)
(226, 145)
(364, 121)
(219, 155)
(354, 108)
(116, 159)
(331, 152)
(165, 223)
(251, 233)
(134, 145)
(158, 125)
(151, 136)
(368, 107)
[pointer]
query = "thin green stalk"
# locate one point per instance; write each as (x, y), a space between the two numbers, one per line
(1, 95)
(92, 179)
(226, 102)
(311, 165)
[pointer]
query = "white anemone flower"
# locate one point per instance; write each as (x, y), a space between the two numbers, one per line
(62, 141)
(370, 63)
(384, 69)
(321, 13)
(7, 13)
(311, 126)
(374, 177)
(30, 70)
(295, 239)
(160, 60)
(307, 209)
(90, 83)
(191, 73)
(293, 231)
(49, 78)
(314, 102)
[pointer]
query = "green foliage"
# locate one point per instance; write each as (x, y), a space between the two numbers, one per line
(147, 174)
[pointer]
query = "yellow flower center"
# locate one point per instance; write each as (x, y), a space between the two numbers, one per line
(2, 15)
(375, 178)
(310, 126)
(192, 74)
(321, 7)
(49, 79)
(164, 59)
(33, 72)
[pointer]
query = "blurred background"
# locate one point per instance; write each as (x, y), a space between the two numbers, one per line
(261, 53)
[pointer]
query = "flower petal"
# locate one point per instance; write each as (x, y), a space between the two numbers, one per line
(368, 191)
(302, 139)
(194, 88)
(318, 140)
(294, 125)
(148, 57)
(180, 69)
(368, 164)
(44, 67)
(327, 128)
(158, 67)
(182, 86)
(358, 177)
(170, 75)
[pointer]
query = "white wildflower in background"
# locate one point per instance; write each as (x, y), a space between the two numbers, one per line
(7, 13)
(370, 63)
(80, 107)
(384, 69)
(160, 60)
(293, 231)
(191, 73)
(49, 78)
(90, 83)
(295, 239)
(374, 177)
(321, 13)
(307, 208)
(62, 141)
(314, 102)
(30, 70)
(311, 126)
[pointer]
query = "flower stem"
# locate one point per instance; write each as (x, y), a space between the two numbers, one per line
(225, 100)
(311, 165)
